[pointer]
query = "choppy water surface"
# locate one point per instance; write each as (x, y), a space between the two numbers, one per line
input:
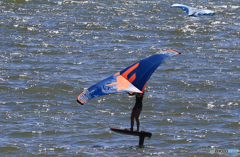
(52, 50)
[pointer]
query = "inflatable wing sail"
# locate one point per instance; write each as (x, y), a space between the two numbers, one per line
(131, 79)
(193, 11)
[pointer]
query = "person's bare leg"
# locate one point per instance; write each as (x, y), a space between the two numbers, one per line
(137, 113)
(132, 120)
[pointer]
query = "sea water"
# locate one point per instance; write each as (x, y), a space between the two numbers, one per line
(51, 50)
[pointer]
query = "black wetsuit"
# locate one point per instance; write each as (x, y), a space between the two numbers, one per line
(138, 104)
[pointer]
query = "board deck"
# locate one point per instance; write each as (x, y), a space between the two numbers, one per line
(133, 133)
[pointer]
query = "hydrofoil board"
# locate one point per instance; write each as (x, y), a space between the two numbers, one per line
(133, 133)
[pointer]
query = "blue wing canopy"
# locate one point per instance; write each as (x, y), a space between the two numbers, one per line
(193, 11)
(145, 68)
(131, 79)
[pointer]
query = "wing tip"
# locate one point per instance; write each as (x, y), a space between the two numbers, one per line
(174, 51)
(79, 102)
(176, 5)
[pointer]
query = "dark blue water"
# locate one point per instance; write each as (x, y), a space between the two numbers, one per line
(52, 50)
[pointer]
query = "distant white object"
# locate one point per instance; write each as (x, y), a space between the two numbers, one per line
(193, 11)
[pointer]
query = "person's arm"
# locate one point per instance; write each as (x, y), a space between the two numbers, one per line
(131, 93)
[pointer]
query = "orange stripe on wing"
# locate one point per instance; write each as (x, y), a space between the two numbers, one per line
(125, 74)
(144, 86)
(132, 78)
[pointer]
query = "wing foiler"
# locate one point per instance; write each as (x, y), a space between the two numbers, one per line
(131, 79)
(193, 11)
